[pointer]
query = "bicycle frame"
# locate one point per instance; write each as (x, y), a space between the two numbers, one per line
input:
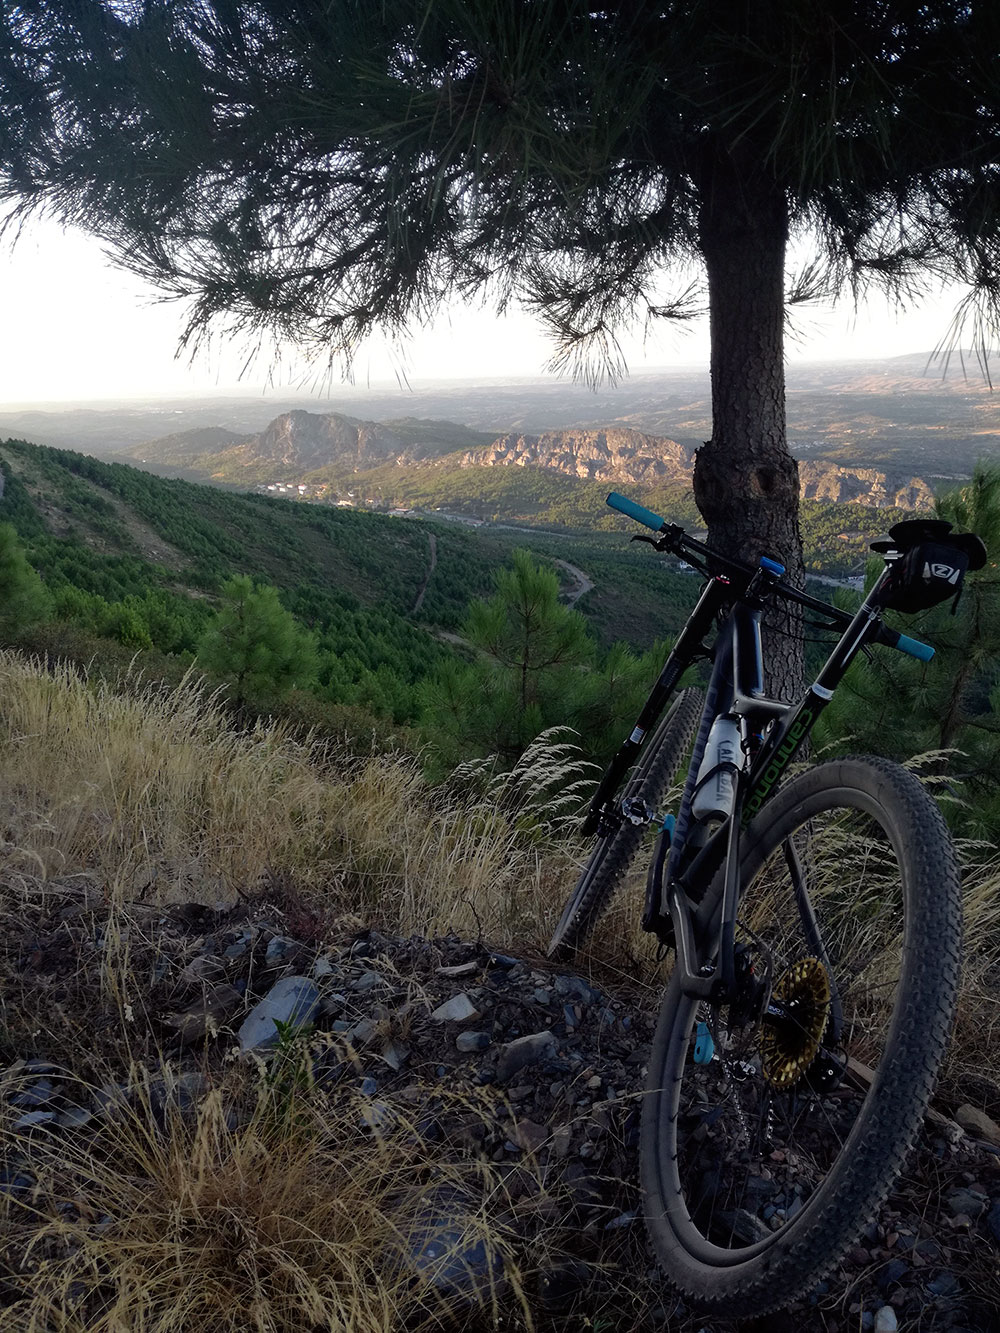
(773, 733)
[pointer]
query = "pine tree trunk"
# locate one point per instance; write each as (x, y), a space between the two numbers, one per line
(745, 481)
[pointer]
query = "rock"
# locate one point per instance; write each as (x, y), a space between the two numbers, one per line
(928, 1250)
(35, 1096)
(13, 1181)
(459, 1009)
(239, 948)
(176, 1093)
(366, 982)
(459, 969)
(35, 1067)
(34, 1120)
(292, 1000)
(472, 1041)
(894, 1271)
(885, 1320)
(322, 968)
(968, 1202)
(531, 1136)
(377, 1116)
(978, 1124)
(523, 1051)
(111, 1100)
(562, 1139)
(74, 1117)
(205, 1016)
(744, 1226)
(993, 1221)
(575, 988)
(503, 961)
(395, 1054)
(981, 1091)
(204, 968)
(361, 1032)
(944, 1284)
(443, 1248)
(280, 950)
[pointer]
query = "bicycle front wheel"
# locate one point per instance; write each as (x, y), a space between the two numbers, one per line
(608, 864)
(774, 1126)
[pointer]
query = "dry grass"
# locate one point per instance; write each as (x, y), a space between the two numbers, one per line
(267, 1209)
(154, 794)
(274, 1208)
(976, 1043)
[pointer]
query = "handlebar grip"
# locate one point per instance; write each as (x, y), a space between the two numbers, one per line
(629, 507)
(923, 652)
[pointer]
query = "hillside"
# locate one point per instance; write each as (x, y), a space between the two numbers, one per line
(141, 559)
(300, 442)
(332, 456)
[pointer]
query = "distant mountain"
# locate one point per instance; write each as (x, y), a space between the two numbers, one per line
(633, 458)
(186, 446)
(615, 454)
(846, 485)
(300, 442)
(333, 447)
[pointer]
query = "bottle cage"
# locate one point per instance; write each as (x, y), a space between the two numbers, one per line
(928, 562)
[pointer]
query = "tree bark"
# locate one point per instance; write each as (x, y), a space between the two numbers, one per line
(746, 483)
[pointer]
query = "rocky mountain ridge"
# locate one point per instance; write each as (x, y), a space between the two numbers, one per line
(301, 442)
(846, 485)
(619, 454)
(616, 454)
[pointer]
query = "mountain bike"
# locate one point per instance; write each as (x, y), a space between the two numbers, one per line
(816, 927)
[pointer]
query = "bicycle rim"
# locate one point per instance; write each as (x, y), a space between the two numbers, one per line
(763, 1162)
(607, 868)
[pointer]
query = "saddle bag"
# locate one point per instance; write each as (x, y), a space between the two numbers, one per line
(932, 563)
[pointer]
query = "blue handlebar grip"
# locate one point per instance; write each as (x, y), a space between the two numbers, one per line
(641, 515)
(923, 652)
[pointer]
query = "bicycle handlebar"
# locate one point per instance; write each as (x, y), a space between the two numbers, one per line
(679, 541)
(642, 515)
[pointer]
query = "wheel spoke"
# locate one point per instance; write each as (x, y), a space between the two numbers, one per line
(776, 1136)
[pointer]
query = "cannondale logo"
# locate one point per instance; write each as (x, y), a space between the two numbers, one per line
(946, 572)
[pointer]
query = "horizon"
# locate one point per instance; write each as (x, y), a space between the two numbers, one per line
(239, 393)
(79, 330)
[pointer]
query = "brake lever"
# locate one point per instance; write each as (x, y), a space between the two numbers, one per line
(657, 543)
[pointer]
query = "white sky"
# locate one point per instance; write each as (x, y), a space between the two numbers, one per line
(74, 327)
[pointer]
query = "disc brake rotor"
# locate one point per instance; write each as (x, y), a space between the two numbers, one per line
(793, 1024)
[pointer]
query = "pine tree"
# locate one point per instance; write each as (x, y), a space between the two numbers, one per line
(902, 708)
(323, 168)
(256, 644)
(528, 675)
(24, 599)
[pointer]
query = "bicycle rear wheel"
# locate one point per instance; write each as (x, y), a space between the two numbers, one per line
(608, 864)
(762, 1159)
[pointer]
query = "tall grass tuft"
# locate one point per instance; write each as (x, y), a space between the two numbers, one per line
(288, 1213)
(154, 794)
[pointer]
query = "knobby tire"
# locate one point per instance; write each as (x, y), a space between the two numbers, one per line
(753, 1188)
(606, 868)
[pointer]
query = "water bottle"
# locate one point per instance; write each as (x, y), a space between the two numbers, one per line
(714, 799)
